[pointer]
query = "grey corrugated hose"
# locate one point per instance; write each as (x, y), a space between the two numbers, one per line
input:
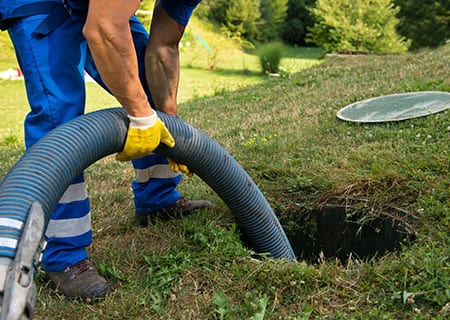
(44, 172)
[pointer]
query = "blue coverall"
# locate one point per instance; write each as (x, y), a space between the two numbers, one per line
(53, 58)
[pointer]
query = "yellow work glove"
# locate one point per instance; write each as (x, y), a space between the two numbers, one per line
(144, 136)
(178, 167)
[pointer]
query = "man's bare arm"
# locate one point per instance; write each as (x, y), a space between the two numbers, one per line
(107, 31)
(162, 60)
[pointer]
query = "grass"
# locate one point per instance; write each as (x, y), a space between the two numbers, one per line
(285, 133)
(233, 68)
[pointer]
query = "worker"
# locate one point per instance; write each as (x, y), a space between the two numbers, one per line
(56, 42)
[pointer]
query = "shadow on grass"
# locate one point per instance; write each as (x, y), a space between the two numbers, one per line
(229, 72)
(308, 53)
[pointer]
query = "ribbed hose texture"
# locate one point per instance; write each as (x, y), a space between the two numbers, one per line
(45, 171)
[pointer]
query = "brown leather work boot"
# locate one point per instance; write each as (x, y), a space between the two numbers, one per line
(80, 280)
(181, 207)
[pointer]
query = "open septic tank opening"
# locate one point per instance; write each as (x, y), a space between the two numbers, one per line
(343, 232)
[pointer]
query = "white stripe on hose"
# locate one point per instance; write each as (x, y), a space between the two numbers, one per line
(12, 223)
(7, 242)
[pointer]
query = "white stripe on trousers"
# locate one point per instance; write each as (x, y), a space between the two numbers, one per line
(65, 228)
(75, 192)
(159, 171)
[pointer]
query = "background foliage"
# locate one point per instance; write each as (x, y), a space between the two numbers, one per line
(379, 27)
(242, 18)
(357, 25)
(298, 20)
(254, 20)
(426, 23)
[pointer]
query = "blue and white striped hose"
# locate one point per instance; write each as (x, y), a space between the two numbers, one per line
(47, 169)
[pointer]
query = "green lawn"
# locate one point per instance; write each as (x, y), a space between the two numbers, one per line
(233, 69)
(285, 133)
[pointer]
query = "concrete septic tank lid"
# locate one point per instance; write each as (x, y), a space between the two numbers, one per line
(396, 107)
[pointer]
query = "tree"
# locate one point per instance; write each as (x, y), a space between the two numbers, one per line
(426, 23)
(357, 25)
(298, 19)
(273, 15)
(214, 10)
(242, 18)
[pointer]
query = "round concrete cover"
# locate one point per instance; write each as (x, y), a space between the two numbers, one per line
(396, 107)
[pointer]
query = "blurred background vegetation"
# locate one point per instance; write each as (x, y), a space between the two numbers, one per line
(337, 26)
(424, 23)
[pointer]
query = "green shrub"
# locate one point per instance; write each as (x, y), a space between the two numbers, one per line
(357, 25)
(270, 57)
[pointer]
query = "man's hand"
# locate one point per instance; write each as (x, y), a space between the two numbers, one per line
(144, 136)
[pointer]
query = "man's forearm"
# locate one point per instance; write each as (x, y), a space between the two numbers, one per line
(162, 60)
(163, 76)
(109, 38)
